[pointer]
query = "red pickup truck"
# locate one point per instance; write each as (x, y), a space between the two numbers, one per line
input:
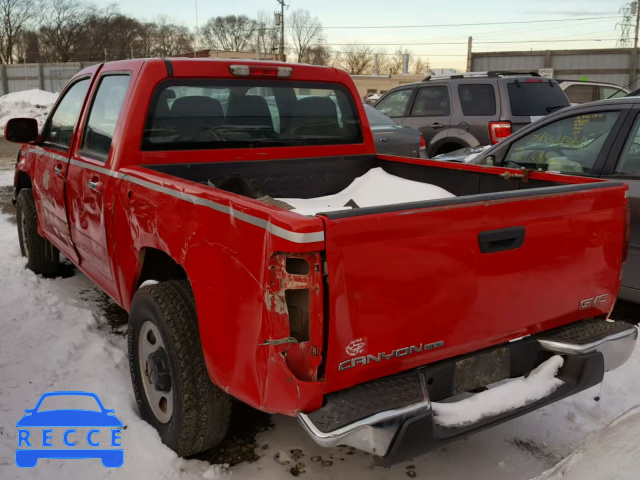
(166, 182)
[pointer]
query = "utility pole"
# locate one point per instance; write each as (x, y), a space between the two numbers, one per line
(634, 5)
(281, 23)
(469, 46)
(634, 53)
(195, 37)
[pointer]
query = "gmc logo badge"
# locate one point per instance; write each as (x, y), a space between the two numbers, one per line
(594, 302)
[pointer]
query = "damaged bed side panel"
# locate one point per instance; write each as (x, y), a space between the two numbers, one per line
(237, 270)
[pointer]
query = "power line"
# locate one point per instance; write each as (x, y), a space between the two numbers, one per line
(437, 25)
(465, 43)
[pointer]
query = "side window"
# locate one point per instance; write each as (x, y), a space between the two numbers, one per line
(611, 92)
(477, 99)
(570, 145)
(103, 115)
(59, 128)
(395, 104)
(629, 163)
(581, 93)
(432, 102)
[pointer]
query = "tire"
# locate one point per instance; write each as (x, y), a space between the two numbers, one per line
(199, 412)
(42, 257)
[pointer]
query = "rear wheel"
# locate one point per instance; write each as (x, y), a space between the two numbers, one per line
(170, 379)
(42, 257)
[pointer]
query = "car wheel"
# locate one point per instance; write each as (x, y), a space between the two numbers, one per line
(170, 380)
(42, 257)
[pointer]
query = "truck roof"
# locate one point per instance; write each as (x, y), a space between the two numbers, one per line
(184, 66)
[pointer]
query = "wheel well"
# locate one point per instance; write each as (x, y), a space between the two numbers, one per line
(157, 265)
(448, 147)
(24, 181)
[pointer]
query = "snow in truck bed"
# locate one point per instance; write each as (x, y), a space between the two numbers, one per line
(374, 188)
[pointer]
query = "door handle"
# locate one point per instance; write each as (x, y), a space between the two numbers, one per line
(58, 170)
(384, 139)
(437, 126)
(94, 183)
(492, 241)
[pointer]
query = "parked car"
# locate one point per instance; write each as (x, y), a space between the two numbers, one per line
(471, 109)
(579, 91)
(391, 138)
(357, 321)
(600, 139)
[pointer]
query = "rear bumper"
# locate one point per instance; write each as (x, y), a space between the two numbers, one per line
(392, 417)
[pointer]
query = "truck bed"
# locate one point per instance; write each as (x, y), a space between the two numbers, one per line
(318, 177)
(414, 283)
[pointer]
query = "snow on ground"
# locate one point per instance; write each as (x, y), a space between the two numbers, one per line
(28, 103)
(613, 453)
(55, 337)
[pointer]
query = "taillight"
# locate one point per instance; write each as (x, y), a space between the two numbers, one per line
(499, 130)
(260, 71)
(294, 301)
(423, 144)
(534, 80)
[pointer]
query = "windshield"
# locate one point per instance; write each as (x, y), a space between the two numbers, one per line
(377, 118)
(214, 114)
(529, 98)
(69, 402)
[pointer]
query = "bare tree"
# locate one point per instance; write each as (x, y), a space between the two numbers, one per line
(419, 66)
(170, 39)
(319, 55)
(267, 34)
(63, 28)
(358, 59)
(27, 47)
(397, 59)
(305, 32)
(380, 62)
(14, 16)
(234, 33)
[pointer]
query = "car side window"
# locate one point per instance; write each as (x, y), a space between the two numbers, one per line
(103, 115)
(432, 102)
(611, 92)
(581, 93)
(395, 104)
(60, 126)
(629, 163)
(570, 145)
(477, 99)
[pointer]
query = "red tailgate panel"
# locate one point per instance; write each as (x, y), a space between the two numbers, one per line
(417, 278)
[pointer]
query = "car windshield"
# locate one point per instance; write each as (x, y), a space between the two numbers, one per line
(377, 118)
(535, 97)
(69, 402)
(191, 114)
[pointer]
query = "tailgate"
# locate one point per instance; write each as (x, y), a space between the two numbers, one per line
(412, 287)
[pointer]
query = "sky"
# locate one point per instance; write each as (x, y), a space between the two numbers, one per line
(577, 28)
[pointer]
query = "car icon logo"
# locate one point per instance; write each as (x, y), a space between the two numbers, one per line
(69, 433)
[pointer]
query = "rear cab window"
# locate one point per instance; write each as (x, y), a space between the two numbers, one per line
(197, 114)
(535, 97)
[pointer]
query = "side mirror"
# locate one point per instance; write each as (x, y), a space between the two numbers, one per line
(21, 130)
